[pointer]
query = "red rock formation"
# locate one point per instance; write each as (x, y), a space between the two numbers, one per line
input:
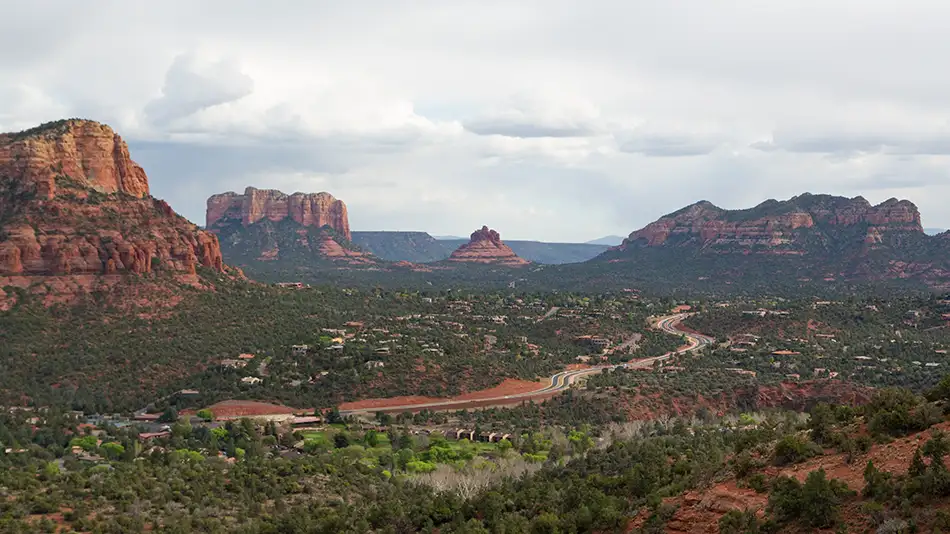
(773, 226)
(486, 246)
(307, 209)
(72, 202)
(84, 152)
(330, 248)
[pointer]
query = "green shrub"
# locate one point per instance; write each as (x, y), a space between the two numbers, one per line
(759, 483)
(794, 449)
(814, 503)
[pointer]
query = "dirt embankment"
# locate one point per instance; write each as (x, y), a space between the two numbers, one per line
(230, 409)
(699, 511)
(508, 387)
(796, 396)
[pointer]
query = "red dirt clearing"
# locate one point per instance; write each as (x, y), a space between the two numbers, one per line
(509, 386)
(576, 367)
(391, 401)
(240, 408)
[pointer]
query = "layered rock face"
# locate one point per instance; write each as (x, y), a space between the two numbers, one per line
(780, 227)
(88, 153)
(486, 246)
(307, 209)
(73, 202)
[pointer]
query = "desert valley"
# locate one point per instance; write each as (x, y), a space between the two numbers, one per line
(466, 267)
(276, 338)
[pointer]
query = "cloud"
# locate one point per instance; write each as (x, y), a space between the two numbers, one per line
(443, 116)
(540, 115)
(893, 142)
(670, 139)
(192, 85)
(669, 145)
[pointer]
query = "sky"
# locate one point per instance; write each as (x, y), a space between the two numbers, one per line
(553, 120)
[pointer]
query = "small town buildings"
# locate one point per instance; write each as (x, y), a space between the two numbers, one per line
(251, 380)
(299, 350)
(374, 364)
(234, 364)
(304, 420)
(148, 436)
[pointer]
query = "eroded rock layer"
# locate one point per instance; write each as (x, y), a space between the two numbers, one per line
(486, 246)
(73, 202)
(779, 227)
(307, 209)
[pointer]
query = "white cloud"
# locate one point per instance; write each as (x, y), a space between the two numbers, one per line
(547, 119)
(193, 84)
(539, 115)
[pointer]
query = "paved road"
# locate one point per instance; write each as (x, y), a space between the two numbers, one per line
(669, 324)
(563, 380)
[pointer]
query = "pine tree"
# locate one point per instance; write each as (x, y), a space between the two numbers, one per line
(917, 465)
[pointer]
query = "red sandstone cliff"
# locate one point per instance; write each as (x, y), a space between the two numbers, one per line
(307, 209)
(774, 225)
(73, 202)
(88, 153)
(486, 246)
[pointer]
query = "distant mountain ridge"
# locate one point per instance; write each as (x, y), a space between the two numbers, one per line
(610, 241)
(809, 236)
(415, 247)
(420, 247)
(775, 225)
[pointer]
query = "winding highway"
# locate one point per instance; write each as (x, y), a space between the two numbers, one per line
(564, 379)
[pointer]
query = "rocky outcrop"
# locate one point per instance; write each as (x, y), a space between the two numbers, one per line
(85, 153)
(486, 246)
(307, 209)
(807, 240)
(332, 249)
(73, 202)
(780, 227)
